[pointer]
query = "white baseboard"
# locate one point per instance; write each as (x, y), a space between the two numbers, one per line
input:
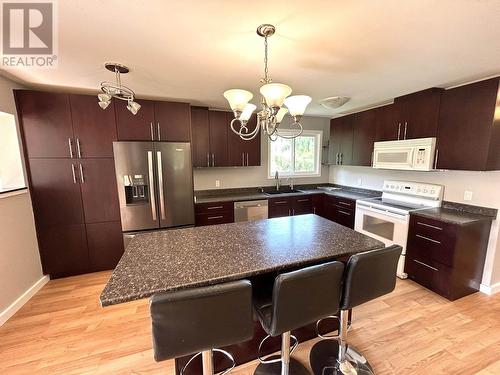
(490, 289)
(18, 303)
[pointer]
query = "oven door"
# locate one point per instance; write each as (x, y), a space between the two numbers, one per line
(387, 227)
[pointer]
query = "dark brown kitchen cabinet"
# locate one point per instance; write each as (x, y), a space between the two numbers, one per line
(218, 133)
(318, 204)
(386, 125)
(243, 153)
(105, 245)
(290, 206)
(469, 132)
(340, 210)
(138, 127)
(364, 132)
(98, 186)
(94, 129)
(341, 139)
(55, 192)
(214, 213)
(173, 121)
(46, 123)
(445, 257)
(63, 250)
(201, 137)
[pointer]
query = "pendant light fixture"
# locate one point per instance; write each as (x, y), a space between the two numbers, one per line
(117, 90)
(275, 102)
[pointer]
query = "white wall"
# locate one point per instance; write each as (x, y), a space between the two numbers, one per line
(233, 177)
(11, 167)
(484, 185)
(20, 266)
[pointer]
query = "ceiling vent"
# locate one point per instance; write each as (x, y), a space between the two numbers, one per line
(334, 102)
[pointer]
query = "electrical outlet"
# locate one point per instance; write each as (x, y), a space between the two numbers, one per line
(360, 181)
(217, 183)
(467, 195)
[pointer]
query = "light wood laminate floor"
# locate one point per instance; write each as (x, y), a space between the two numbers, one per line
(63, 330)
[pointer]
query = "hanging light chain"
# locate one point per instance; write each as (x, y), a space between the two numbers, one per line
(266, 78)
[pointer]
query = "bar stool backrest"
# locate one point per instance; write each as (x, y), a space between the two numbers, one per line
(195, 320)
(369, 275)
(304, 296)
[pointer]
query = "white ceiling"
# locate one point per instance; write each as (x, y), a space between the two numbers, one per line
(193, 50)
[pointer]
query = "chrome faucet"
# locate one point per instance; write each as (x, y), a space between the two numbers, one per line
(290, 181)
(277, 178)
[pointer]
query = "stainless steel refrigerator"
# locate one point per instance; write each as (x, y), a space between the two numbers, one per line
(155, 184)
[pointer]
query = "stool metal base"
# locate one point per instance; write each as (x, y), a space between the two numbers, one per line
(323, 360)
(296, 368)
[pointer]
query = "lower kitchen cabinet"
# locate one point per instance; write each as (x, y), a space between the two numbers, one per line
(339, 210)
(445, 257)
(290, 206)
(317, 204)
(105, 245)
(214, 213)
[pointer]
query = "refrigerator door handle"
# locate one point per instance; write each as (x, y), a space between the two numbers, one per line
(151, 187)
(160, 184)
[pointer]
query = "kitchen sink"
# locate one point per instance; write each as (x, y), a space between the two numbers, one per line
(283, 191)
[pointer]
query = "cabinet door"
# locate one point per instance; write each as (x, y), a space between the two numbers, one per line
(252, 147)
(364, 129)
(46, 123)
(279, 207)
(387, 127)
(341, 137)
(200, 141)
(219, 127)
(63, 250)
(173, 121)
(94, 128)
(56, 192)
(139, 127)
(302, 205)
(465, 123)
(418, 113)
(241, 152)
(329, 208)
(99, 192)
(105, 244)
(318, 204)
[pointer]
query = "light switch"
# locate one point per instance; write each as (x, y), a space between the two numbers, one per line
(467, 195)
(217, 183)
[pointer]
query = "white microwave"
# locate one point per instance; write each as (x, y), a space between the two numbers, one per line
(409, 154)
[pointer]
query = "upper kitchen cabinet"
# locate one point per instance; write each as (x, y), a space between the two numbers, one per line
(387, 127)
(469, 130)
(243, 153)
(200, 133)
(218, 132)
(416, 115)
(173, 121)
(341, 138)
(364, 127)
(138, 127)
(45, 123)
(94, 129)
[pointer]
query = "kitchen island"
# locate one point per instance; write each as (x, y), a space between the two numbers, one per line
(186, 258)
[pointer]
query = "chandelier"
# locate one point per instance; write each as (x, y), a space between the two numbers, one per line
(117, 90)
(275, 96)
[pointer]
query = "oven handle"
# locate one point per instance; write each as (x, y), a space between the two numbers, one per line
(382, 212)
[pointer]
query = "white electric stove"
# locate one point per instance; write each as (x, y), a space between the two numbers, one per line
(386, 218)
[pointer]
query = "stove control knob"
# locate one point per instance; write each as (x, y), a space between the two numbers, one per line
(425, 191)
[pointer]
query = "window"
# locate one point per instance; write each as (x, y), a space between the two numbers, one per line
(298, 157)
(11, 169)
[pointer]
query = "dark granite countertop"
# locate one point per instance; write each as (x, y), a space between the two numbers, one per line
(455, 213)
(185, 258)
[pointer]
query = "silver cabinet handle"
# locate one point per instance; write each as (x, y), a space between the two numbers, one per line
(78, 149)
(399, 131)
(428, 239)
(243, 159)
(425, 265)
(159, 131)
(73, 172)
(436, 159)
(70, 146)
(345, 204)
(208, 159)
(406, 128)
(314, 210)
(344, 212)
(152, 131)
(371, 159)
(303, 200)
(151, 187)
(213, 159)
(247, 159)
(215, 208)
(289, 212)
(81, 173)
(280, 202)
(341, 158)
(214, 217)
(160, 184)
(428, 225)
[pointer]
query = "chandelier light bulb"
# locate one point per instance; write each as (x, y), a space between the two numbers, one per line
(297, 104)
(133, 107)
(104, 105)
(281, 113)
(247, 112)
(275, 93)
(238, 99)
(104, 97)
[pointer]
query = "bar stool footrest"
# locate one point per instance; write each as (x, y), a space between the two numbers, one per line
(296, 368)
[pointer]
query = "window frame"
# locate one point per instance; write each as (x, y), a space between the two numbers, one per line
(318, 134)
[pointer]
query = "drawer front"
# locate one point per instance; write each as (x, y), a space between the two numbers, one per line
(214, 218)
(345, 202)
(303, 205)
(215, 207)
(344, 216)
(434, 229)
(432, 275)
(279, 208)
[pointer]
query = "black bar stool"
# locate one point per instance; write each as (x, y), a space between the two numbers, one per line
(367, 276)
(200, 320)
(298, 298)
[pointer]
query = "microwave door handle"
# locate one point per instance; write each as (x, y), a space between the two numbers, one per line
(160, 184)
(151, 185)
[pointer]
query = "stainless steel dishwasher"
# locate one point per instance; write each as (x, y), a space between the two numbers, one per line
(250, 210)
